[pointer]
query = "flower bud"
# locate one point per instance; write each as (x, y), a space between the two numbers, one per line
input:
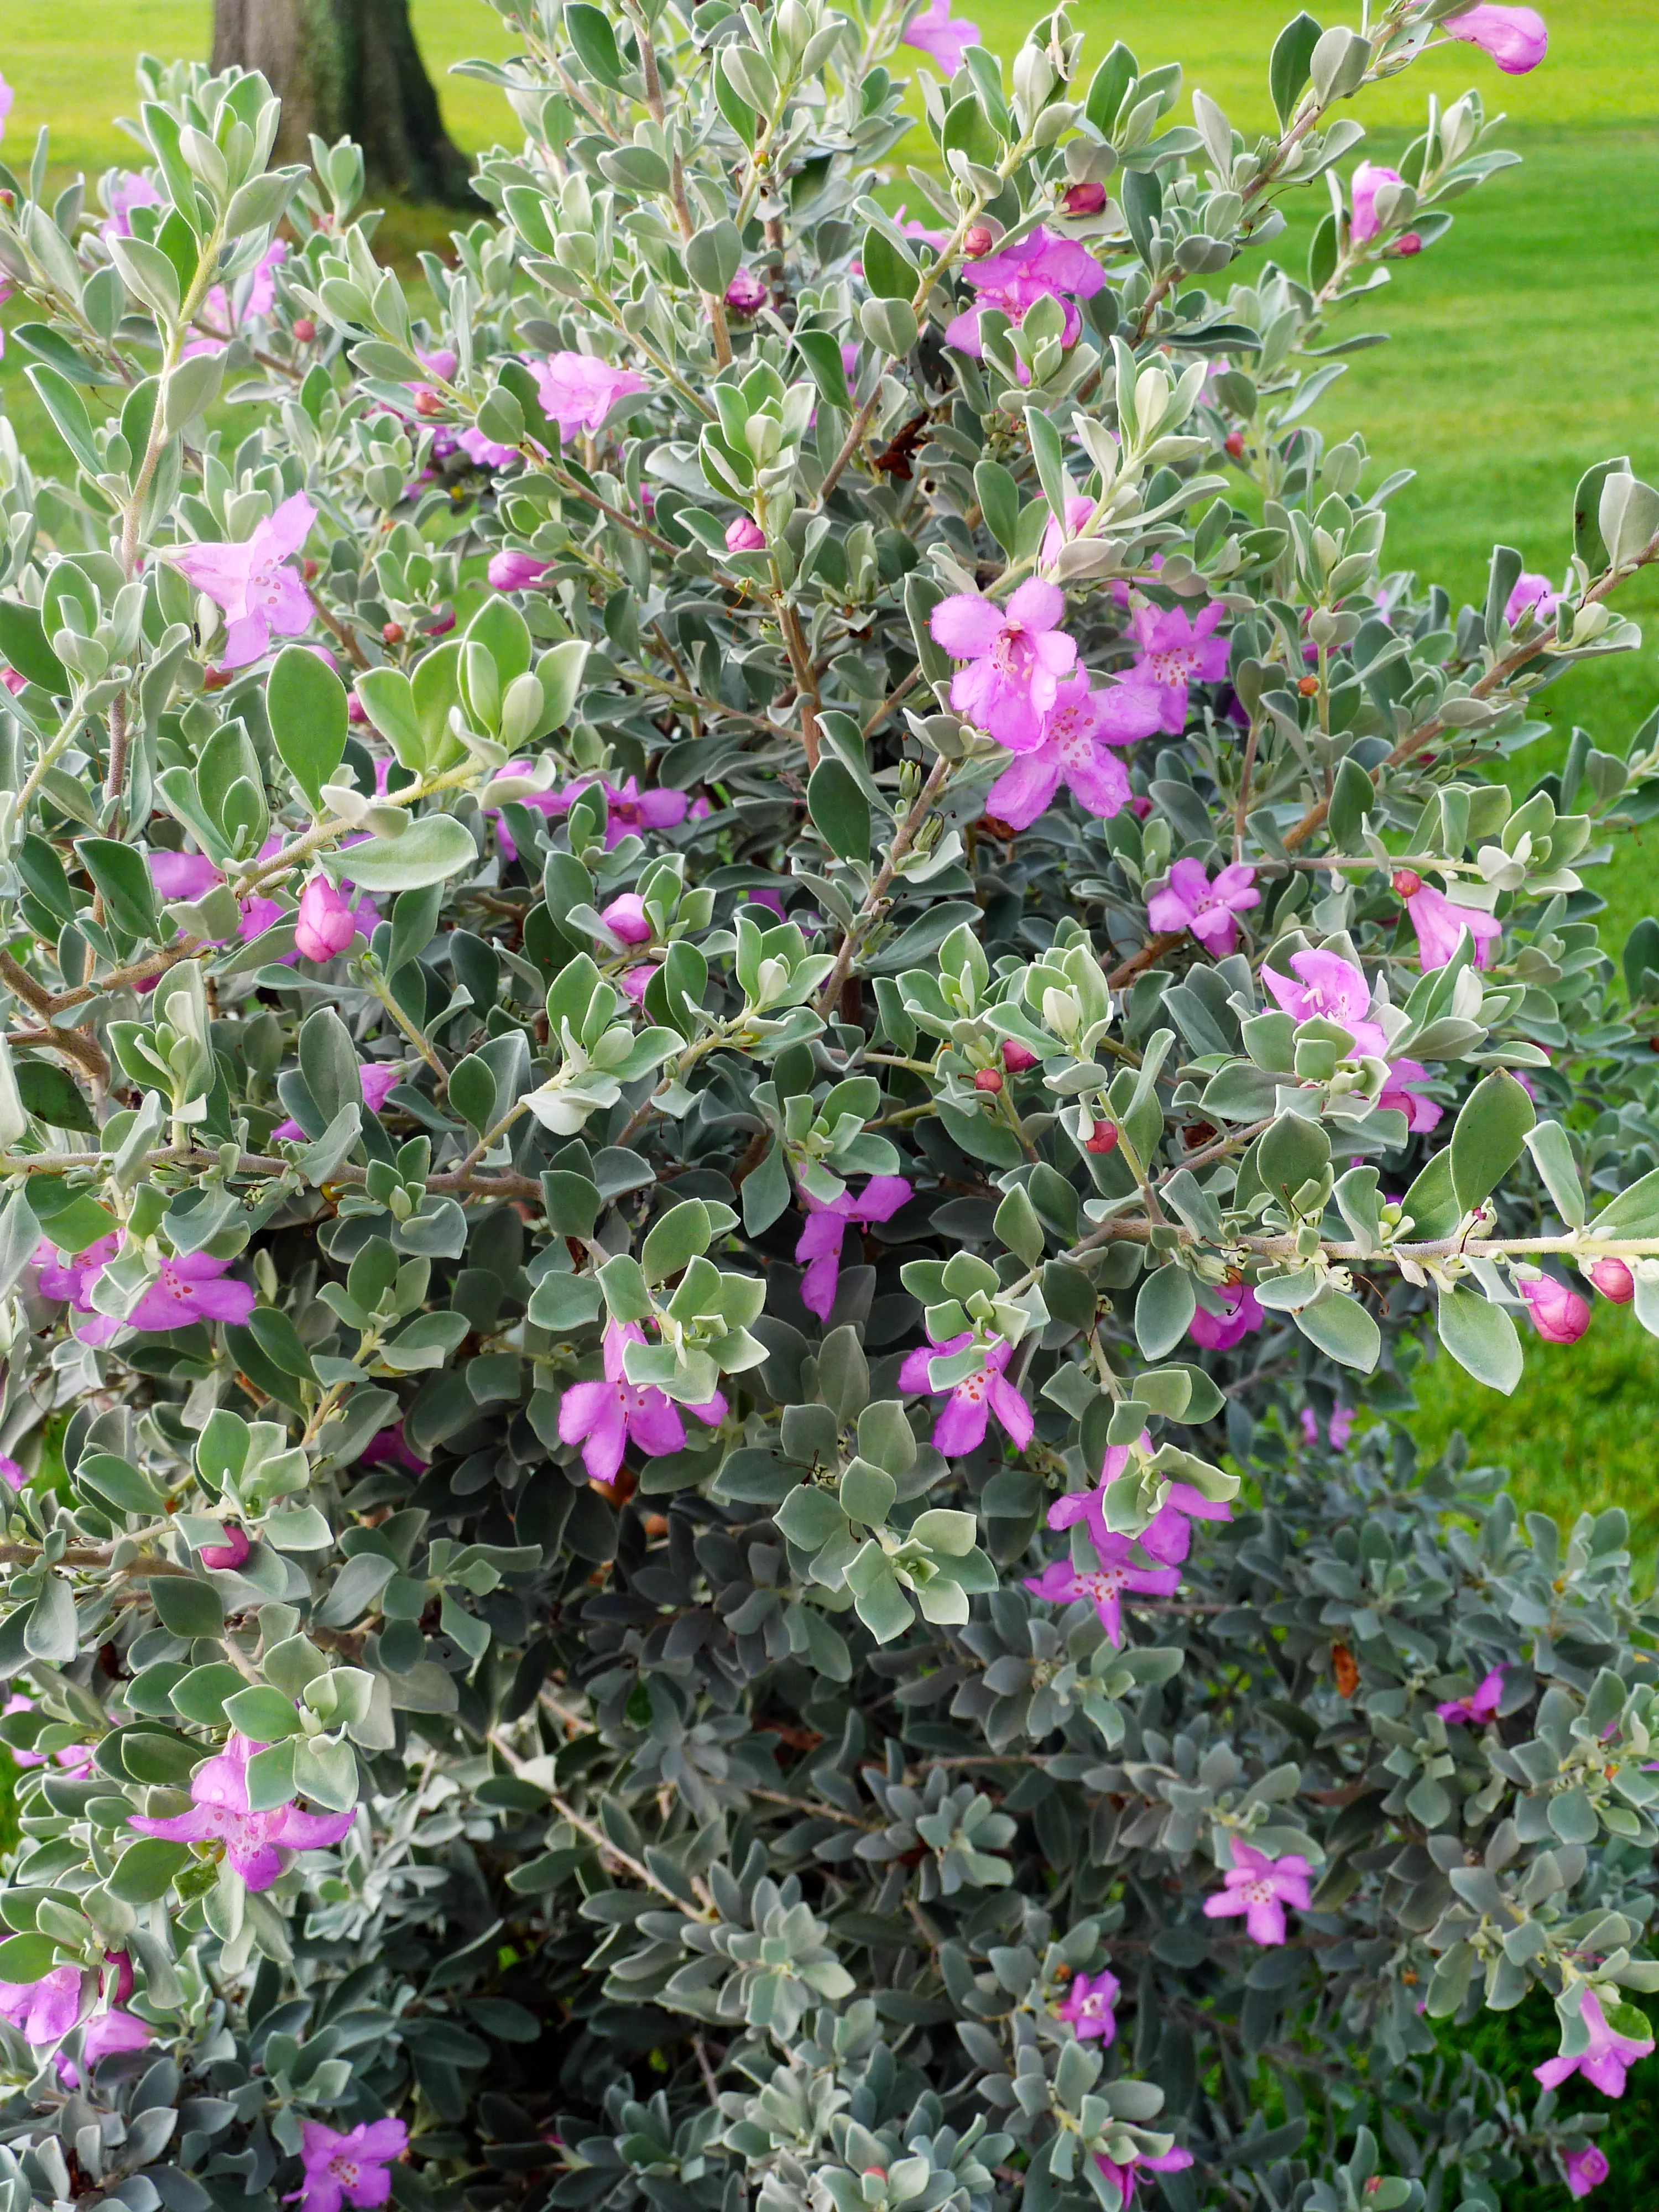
(1307, 685)
(1084, 199)
(1404, 247)
(977, 240)
(1559, 1315)
(392, 632)
(427, 402)
(326, 923)
(746, 293)
(1614, 1280)
(1406, 882)
(1016, 1057)
(626, 918)
(310, 569)
(304, 328)
(1234, 443)
(744, 535)
(1105, 1139)
(987, 1079)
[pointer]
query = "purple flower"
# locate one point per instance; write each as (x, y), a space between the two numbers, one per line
(1167, 1537)
(1609, 2058)
(1614, 1280)
(131, 189)
(389, 1447)
(1171, 2161)
(74, 1759)
(1481, 1705)
(1440, 926)
(1088, 2004)
(71, 1276)
(1176, 652)
(1015, 660)
(231, 1553)
(1339, 1429)
(1587, 2169)
(1075, 734)
(944, 42)
(1402, 1093)
(1368, 179)
(1221, 1332)
(1188, 900)
(104, 2031)
(183, 875)
(826, 1225)
(628, 811)
(253, 1842)
(578, 390)
(217, 322)
(1559, 1315)
(1532, 595)
(11, 1472)
(746, 293)
(43, 2011)
(1041, 265)
(349, 2168)
(626, 918)
(515, 571)
(605, 1417)
(961, 1426)
(1105, 1583)
(1079, 509)
(258, 592)
(1517, 39)
(485, 451)
(1261, 1888)
(188, 1289)
(326, 924)
(1331, 989)
(744, 535)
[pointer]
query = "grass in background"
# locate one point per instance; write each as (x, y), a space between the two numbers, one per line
(1521, 349)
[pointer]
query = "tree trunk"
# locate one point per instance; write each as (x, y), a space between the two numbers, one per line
(348, 68)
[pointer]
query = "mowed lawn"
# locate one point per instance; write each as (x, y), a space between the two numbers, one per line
(1524, 347)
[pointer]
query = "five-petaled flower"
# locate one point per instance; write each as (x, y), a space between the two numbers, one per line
(1332, 989)
(1174, 652)
(1587, 2169)
(349, 2168)
(1016, 659)
(578, 390)
(827, 1225)
(1441, 925)
(1221, 1332)
(605, 1417)
(961, 1426)
(1188, 900)
(1115, 1571)
(1608, 2058)
(220, 1813)
(1088, 2006)
(1073, 745)
(1041, 265)
(1167, 1537)
(945, 42)
(251, 583)
(1260, 1887)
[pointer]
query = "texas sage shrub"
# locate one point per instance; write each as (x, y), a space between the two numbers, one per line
(760, 990)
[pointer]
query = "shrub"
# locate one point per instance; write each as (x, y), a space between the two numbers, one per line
(756, 985)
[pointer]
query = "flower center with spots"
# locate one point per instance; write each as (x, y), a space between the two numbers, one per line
(1009, 649)
(1070, 733)
(1104, 1582)
(1259, 1892)
(1172, 664)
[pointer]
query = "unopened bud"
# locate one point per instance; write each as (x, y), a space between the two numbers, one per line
(215, 679)
(428, 403)
(1234, 442)
(1307, 685)
(1410, 244)
(977, 240)
(1406, 882)
(1105, 1139)
(1016, 1057)
(304, 328)
(987, 1079)
(392, 632)
(309, 568)
(1084, 199)
(1614, 1280)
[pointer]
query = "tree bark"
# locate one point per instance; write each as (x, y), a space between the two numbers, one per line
(348, 69)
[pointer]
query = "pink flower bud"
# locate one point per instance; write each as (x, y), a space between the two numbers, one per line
(1084, 199)
(987, 1079)
(355, 710)
(1614, 1280)
(978, 240)
(744, 535)
(326, 924)
(232, 1553)
(746, 293)
(122, 1965)
(514, 570)
(11, 1474)
(1517, 39)
(13, 682)
(1406, 882)
(1559, 1315)
(1403, 248)
(625, 917)
(1016, 1057)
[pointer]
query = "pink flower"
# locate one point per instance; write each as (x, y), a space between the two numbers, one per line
(1587, 2169)
(43, 2011)
(746, 294)
(188, 1289)
(1261, 1888)
(1440, 926)
(1609, 2058)
(744, 535)
(486, 452)
(231, 1553)
(1190, 901)
(1174, 651)
(513, 570)
(104, 2031)
(636, 981)
(944, 42)
(1167, 1537)
(1171, 2161)
(1016, 1057)
(1559, 1315)
(1041, 265)
(1105, 1583)
(1088, 2006)
(1480, 1705)
(71, 1276)
(629, 811)
(74, 1759)
(1080, 200)
(1532, 595)
(1078, 510)
(326, 923)
(183, 875)
(1614, 1280)
(388, 1448)
(625, 917)
(1400, 1093)
(1072, 744)
(605, 1417)
(578, 390)
(826, 1226)
(1517, 39)
(1339, 1429)
(1221, 1332)
(1332, 989)
(13, 681)
(961, 1426)
(259, 594)
(11, 1474)
(349, 2168)
(131, 189)
(1015, 660)
(1368, 179)
(253, 1842)
(378, 1077)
